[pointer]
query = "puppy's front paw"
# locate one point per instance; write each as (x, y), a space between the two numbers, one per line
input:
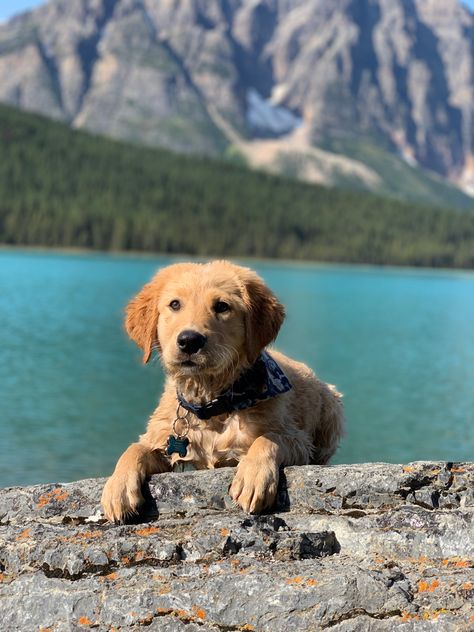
(122, 496)
(255, 485)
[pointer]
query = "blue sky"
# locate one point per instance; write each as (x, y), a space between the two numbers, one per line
(10, 7)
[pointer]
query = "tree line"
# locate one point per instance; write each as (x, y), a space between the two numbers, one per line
(66, 188)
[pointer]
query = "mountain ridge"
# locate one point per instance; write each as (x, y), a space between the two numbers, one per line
(215, 77)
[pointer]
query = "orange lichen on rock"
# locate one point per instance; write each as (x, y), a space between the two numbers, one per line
(428, 615)
(57, 494)
(199, 612)
(225, 532)
(424, 586)
(432, 615)
(407, 616)
(463, 563)
(146, 531)
(24, 535)
(294, 580)
(458, 562)
(80, 537)
(422, 560)
(89, 534)
(85, 621)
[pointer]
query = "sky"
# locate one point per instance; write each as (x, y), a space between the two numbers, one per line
(10, 7)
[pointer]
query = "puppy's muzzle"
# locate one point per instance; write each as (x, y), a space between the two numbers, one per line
(190, 341)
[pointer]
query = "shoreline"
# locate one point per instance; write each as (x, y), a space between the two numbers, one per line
(267, 261)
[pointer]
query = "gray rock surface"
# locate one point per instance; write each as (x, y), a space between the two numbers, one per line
(350, 548)
(396, 74)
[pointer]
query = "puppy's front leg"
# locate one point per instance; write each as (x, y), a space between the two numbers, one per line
(122, 495)
(255, 483)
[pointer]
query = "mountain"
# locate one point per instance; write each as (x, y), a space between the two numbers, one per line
(63, 187)
(375, 94)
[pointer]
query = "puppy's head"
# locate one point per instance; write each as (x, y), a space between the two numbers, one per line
(208, 318)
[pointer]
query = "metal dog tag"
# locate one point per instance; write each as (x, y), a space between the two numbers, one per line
(177, 445)
(178, 442)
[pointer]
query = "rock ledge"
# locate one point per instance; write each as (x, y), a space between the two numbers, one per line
(350, 548)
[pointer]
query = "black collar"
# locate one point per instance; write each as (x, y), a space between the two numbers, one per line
(264, 380)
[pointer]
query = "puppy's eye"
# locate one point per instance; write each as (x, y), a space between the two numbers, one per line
(221, 307)
(175, 305)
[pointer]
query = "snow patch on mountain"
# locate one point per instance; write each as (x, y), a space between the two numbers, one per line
(265, 118)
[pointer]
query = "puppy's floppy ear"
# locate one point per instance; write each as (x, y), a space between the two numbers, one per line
(264, 317)
(141, 319)
(141, 314)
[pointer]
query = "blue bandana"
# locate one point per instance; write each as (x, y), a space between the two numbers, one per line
(264, 380)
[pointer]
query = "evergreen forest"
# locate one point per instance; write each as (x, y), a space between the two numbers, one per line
(66, 188)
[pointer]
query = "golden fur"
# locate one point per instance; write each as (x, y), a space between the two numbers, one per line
(299, 427)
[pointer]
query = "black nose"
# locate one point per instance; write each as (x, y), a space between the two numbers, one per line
(190, 341)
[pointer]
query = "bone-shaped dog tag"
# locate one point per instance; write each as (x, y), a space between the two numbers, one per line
(177, 446)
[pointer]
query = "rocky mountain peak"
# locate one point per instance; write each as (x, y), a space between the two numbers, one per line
(340, 77)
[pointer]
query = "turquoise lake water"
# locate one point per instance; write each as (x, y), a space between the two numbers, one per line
(398, 343)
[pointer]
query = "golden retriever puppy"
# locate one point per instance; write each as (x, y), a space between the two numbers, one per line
(226, 400)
